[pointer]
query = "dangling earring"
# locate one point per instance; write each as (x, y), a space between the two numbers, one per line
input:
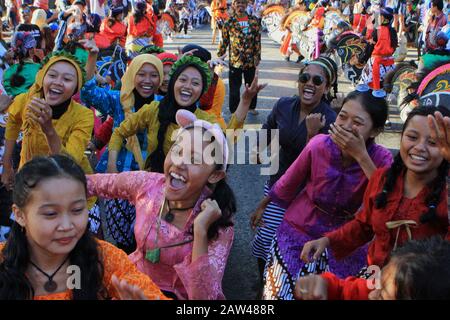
(22, 228)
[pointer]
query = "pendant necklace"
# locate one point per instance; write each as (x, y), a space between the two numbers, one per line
(153, 255)
(49, 285)
(169, 217)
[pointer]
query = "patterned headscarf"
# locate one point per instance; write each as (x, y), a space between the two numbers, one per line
(127, 96)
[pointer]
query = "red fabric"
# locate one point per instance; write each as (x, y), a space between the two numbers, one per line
(370, 223)
(207, 99)
(145, 27)
(286, 44)
(351, 288)
(377, 62)
(167, 58)
(369, 34)
(158, 40)
(359, 22)
(108, 35)
(105, 131)
(383, 46)
(243, 19)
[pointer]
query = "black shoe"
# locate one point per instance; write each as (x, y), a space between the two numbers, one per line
(287, 59)
(299, 59)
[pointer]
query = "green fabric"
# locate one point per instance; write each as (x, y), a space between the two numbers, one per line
(430, 60)
(28, 71)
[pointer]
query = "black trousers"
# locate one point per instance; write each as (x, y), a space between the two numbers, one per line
(235, 80)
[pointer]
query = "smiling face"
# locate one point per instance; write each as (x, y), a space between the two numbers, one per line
(60, 83)
(309, 93)
(147, 80)
(418, 150)
(165, 84)
(352, 115)
(185, 169)
(188, 87)
(55, 216)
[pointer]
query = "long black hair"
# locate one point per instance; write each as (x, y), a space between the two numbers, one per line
(14, 285)
(139, 12)
(377, 108)
(398, 167)
(422, 271)
(167, 110)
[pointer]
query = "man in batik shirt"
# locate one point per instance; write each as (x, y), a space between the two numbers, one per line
(242, 35)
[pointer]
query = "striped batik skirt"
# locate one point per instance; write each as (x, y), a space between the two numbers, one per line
(272, 217)
(283, 266)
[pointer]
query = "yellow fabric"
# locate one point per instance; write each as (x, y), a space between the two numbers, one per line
(218, 100)
(74, 129)
(127, 97)
(147, 118)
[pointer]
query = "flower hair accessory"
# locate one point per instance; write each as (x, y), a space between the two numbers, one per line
(186, 119)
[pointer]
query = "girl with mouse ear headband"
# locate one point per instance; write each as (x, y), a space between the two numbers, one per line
(184, 229)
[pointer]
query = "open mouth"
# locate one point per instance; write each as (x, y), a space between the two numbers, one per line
(177, 181)
(185, 95)
(308, 93)
(55, 93)
(417, 158)
(148, 89)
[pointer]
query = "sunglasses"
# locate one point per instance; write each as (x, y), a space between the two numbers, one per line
(317, 80)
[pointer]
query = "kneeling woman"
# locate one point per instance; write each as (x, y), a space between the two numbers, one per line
(183, 225)
(50, 237)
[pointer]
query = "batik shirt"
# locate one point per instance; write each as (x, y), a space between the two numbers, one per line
(244, 41)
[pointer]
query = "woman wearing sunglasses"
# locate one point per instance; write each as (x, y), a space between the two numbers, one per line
(323, 189)
(298, 119)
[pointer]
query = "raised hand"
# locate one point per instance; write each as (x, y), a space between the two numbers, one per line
(314, 122)
(218, 61)
(352, 143)
(209, 214)
(440, 132)
(89, 45)
(41, 113)
(253, 89)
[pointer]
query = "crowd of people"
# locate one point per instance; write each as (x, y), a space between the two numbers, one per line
(82, 147)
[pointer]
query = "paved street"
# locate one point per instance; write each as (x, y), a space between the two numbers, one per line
(241, 276)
